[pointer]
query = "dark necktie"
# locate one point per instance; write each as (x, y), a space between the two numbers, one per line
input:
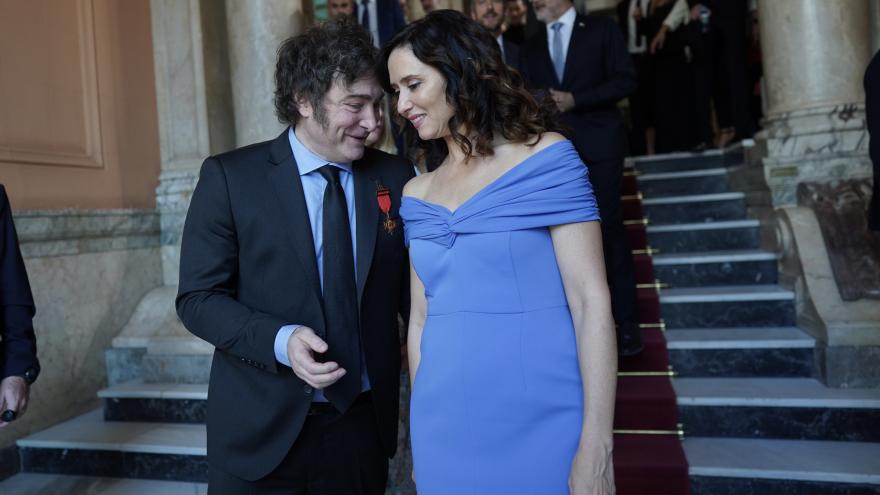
(365, 14)
(340, 293)
(556, 51)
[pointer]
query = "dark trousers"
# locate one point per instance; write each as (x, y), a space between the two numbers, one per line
(641, 105)
(606, 177)
(727, 53)
(334, 454)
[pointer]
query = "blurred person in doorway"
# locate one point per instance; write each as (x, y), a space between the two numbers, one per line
(719, 39)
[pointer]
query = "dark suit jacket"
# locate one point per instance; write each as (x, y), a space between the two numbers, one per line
(248, 267)
(872, 119)
(511, 53)
(598, 72)
(390, 19)
(19, 343)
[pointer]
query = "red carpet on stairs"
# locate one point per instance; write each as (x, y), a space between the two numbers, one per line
(648, 456)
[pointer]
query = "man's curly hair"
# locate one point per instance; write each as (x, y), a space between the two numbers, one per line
(309, 64)
(488, 97)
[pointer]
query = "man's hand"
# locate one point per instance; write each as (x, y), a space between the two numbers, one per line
(563, 99)
(13, 396)
(659, 39)
(301, 347)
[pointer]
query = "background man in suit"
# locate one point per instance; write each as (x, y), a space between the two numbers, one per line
(340, 8)
(490, 15)
(584, 64)
(293, 266)
(19, 366)
(382, 18)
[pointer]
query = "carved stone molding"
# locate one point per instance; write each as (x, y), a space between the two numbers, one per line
(71, 132)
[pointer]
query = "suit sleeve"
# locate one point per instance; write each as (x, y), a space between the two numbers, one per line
(621, 75)
(206, 300)
(19, 342)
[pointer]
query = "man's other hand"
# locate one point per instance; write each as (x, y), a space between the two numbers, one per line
(563, 99)
(301, 348)
(14, 392)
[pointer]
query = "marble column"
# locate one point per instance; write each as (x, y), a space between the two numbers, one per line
(815, 53)
(194, 107)
(256, 29)
(875, 26)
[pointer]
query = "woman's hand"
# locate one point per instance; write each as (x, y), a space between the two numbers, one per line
(592, 471)
(637, 14)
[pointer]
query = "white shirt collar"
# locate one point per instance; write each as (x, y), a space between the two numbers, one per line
(567, 19)
(307, 161)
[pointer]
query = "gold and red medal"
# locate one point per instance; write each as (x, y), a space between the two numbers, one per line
(383, 196)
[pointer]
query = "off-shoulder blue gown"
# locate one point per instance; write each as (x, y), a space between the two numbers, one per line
(497, 405)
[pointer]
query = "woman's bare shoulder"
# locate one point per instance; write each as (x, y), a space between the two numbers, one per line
(547, 139)
(418, 186)
(531, 147)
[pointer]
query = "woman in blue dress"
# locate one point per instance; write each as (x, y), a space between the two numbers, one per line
(511, 340)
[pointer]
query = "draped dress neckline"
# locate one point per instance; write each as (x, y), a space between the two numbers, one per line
(490, 185)
(549, 187)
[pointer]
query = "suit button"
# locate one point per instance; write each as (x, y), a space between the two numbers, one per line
(307, 389)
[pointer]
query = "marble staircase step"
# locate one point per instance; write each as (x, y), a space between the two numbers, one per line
(727, 306)
(161, 359)
(88, 445)
(705, 236)
(177, 368)
(792, 408)
(57, 484)
(742, 352)
(704, 181)
(727, 466)
(672, 162)
(695, 208)
(156, 402)
(744, 267)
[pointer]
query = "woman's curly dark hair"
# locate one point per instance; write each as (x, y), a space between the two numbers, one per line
(310, 62)
(487, 95)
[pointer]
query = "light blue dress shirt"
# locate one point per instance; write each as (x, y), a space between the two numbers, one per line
(567, 19)
(313, 186)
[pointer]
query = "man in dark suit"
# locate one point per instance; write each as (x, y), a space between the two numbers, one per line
(382, 18)
(293, 266)
(19, 366)
(583, 63)
(490, 15)
(872, 119)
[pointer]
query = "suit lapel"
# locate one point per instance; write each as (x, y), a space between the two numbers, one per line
(367, 218)
(576, 32)
(285, 180)
(546, 59)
